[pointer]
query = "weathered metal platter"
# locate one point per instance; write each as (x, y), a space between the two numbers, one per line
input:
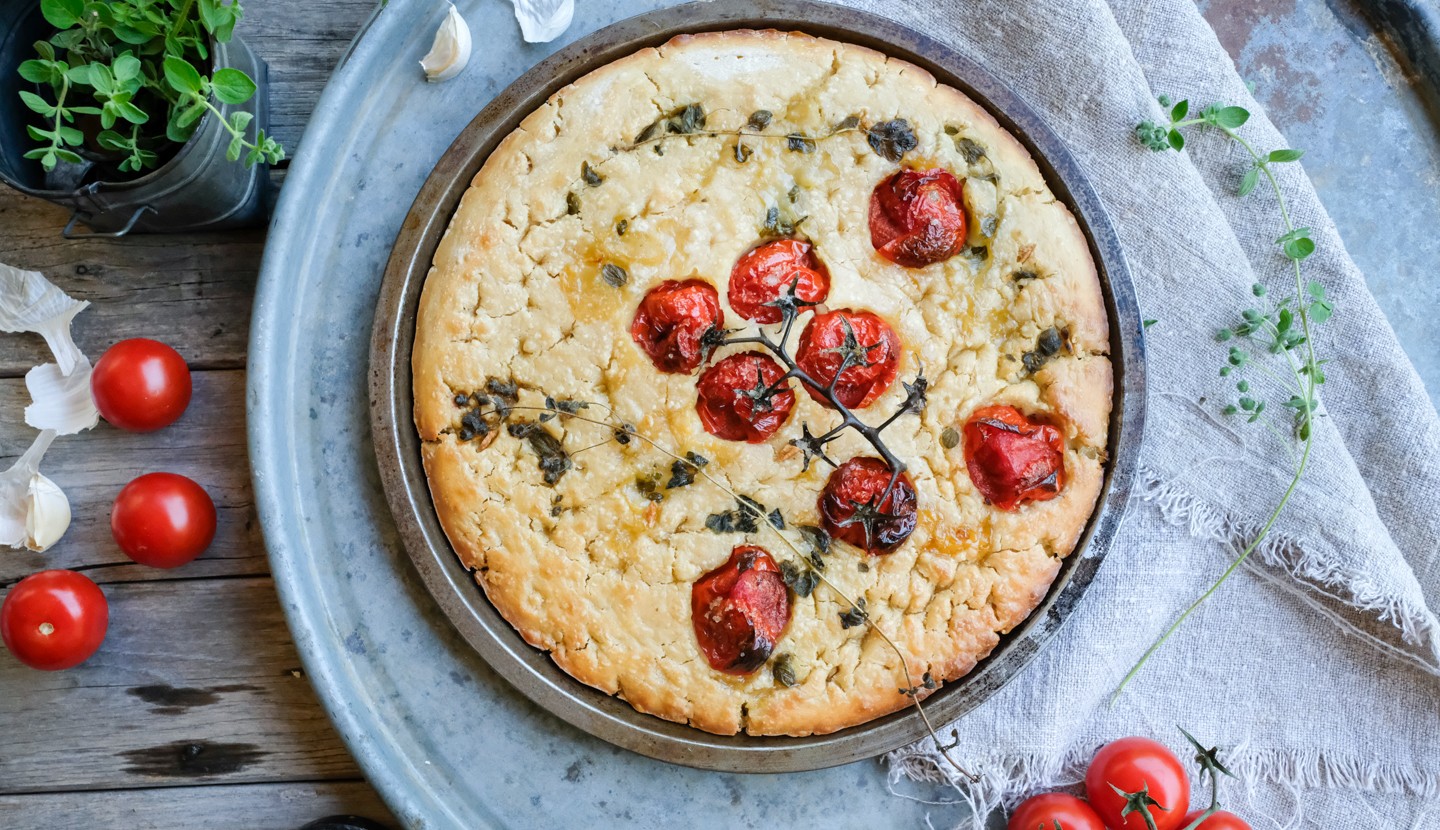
(439, 731)
(398, 451)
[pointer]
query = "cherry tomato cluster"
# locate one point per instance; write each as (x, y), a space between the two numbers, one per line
(1131, 784)
(57, 619)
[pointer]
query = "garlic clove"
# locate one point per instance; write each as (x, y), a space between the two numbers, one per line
(29, 302)
(541, 21)
(15, 486)
(62, 403)
(47, 513)
(451, 50)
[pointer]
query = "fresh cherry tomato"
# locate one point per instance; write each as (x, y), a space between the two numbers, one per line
(54, 620)
(739, 610)
(141, 385)
(764, 274)
(873, 351)
(736, 401)
(1221, 820)
(1054, 811)
(1135, 764)
(163, 520)
(853, 493)
(673, 322)
(1012, 458)
(916, 217)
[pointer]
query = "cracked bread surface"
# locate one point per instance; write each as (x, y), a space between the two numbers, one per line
(601, 577)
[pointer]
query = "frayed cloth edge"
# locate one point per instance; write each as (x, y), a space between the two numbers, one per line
(1006, 780)
(1310, 574)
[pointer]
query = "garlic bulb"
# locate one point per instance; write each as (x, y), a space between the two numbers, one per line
(47, 513)
(451, 49)
(541, 21)
(61, 403)
(29, 302)
(34, 513)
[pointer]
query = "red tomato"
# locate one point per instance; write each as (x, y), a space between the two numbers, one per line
(163, 520)
(732, 402)
(54, 620)
(1133, 764)
(1221, 820)
(739, 610)
(764, 274)
(1054, 811)
(1013, 459)
(141, 385)
(916, 217)
(851, 489)
(673, 321)
(875, 359)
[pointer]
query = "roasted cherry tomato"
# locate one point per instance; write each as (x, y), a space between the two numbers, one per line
(1053, 811)
(672, 323)
(873, 351)
(54, 620)
(1221, 820)
(917, 218)
(141, 385)
(163, 520)
(850, 506)
(1135, 764)
(739, 610)
(738, 398)
(1013, 459)
(764, 274)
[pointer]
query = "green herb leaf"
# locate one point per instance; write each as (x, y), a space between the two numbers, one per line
(1148, 323)
(1249, 180)
(37, 71)
(1177, 141)
(231, 86)
(36, 103)
(232, 153)
(759, 120)
(1285, 155)
(1178, 113)
(1230, 117)
(62, 14)
(181, 76)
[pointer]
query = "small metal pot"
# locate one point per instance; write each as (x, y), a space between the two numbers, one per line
(197, 189)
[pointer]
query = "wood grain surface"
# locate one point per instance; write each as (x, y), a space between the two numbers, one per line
(195, 713)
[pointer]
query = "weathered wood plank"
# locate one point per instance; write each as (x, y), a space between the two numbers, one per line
(241, 807)
(206, 444)
(301, 43)
(191, 291)
(197, 683)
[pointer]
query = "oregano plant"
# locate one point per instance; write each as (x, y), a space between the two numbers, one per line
(118, 82)
(1272, 355)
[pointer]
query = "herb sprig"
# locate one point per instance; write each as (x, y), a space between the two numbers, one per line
(1274, 346)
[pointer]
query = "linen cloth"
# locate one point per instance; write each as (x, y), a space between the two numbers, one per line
(1317, 665)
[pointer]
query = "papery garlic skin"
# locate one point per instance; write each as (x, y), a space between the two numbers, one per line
(47, 513)
(29, 302)
(450, 52)
(62, 403)
(15, 486)
(541, 21)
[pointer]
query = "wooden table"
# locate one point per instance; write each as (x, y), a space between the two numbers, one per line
(195, 713)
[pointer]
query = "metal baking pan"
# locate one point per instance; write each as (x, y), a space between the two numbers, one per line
(397, 444)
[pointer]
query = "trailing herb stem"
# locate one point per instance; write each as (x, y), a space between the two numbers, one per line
(1277, 322)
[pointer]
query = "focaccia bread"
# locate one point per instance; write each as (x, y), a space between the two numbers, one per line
(664, 170)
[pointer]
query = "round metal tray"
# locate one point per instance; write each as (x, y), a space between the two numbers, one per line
(397, 443)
